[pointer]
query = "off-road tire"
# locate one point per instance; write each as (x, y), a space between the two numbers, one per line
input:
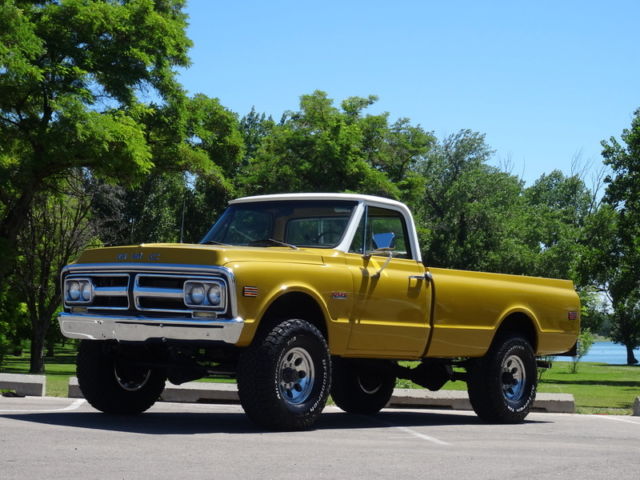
(502, 384)
(112, 385)
(360, 389)
(285, 376)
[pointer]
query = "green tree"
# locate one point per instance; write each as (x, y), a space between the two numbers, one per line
(322, 148)
(217, 133)
(57, 228)
(14, 323)
(254, 128)
(595, 311)
(557, 209)
(148, 213)
(471, 213)
(171, 205)
(73, 77)
(623, 256)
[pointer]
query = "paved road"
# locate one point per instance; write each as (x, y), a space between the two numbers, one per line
(65, 438)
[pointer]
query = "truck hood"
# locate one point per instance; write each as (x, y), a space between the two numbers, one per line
(196, 254)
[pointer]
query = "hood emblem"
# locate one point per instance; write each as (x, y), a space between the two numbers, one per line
(138, 257)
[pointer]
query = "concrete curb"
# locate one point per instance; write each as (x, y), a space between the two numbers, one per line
(31, 385)
(203, 392)
(459, 400)
(73, 390)
(636, 407)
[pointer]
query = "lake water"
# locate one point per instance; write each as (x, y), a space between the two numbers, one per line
(608, 352)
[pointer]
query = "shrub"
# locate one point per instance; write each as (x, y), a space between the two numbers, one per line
(585, 340)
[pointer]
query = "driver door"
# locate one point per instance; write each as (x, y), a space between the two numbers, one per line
(392, 298)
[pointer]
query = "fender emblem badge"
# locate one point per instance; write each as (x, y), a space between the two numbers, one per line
(250, 291)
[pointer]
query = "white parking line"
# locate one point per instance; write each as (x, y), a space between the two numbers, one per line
(410, 431)
(428, 438)
(617, 419)
(73, 406)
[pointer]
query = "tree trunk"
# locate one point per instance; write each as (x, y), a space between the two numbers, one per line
(631, 358)
(51, 352)
(36, 364)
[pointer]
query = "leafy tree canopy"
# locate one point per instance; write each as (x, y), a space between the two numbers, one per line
(75, 80)
(470, 211)
(623, 256)
(325, 148)
(558, 207)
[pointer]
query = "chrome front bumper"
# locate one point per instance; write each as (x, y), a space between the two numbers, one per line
(139, 329)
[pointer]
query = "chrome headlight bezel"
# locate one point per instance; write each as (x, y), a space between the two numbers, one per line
(78, 291)
(197, 294)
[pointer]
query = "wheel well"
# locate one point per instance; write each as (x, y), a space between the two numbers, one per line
(294, 305)
(521, 324)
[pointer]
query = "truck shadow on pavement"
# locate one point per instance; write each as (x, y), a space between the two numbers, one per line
(191, 423)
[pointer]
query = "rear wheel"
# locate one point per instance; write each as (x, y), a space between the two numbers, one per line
(113, 384)
(359, 388)
(502, 384)
(284, 379)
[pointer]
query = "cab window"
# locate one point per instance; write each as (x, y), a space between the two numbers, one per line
(384, 229)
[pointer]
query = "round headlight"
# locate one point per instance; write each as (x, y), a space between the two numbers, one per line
(74, 291)
(197, 294)
(215, 292)
(86, 292)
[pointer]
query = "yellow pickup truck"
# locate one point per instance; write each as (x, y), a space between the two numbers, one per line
(299, 296)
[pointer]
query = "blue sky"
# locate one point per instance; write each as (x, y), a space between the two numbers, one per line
(545, 81)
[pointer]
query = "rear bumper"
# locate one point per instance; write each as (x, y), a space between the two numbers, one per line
(140, 329)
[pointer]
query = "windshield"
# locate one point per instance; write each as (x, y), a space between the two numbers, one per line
(299, 223)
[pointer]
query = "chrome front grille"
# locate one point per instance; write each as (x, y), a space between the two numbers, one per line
(152, 293)
(110, 290)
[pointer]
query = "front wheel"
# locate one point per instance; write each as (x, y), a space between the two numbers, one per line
(284, 378)
(502, 384)
(113, 384)
(361, 389)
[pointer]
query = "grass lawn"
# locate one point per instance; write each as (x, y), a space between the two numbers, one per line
(597, 387)
(58, 369)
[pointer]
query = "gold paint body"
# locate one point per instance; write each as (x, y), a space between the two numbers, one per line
(385, 315)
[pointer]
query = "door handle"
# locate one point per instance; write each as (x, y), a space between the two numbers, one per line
(425, 276)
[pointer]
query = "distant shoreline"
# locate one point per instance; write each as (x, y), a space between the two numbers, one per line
(605, 352)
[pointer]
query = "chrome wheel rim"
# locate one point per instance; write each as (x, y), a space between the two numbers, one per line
(133, 379)
(369, 384)
(296, 376)
(514, 378)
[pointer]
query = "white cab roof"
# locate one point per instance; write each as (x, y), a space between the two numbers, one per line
(370, 199)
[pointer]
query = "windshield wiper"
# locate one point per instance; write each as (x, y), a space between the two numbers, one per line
(272, 241)
(215, 242)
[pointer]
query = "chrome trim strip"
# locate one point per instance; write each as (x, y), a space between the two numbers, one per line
(143, 267)
(140, 329)
(110, 291)
(139, 291)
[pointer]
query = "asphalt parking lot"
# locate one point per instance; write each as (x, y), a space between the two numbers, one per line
(66, 438)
